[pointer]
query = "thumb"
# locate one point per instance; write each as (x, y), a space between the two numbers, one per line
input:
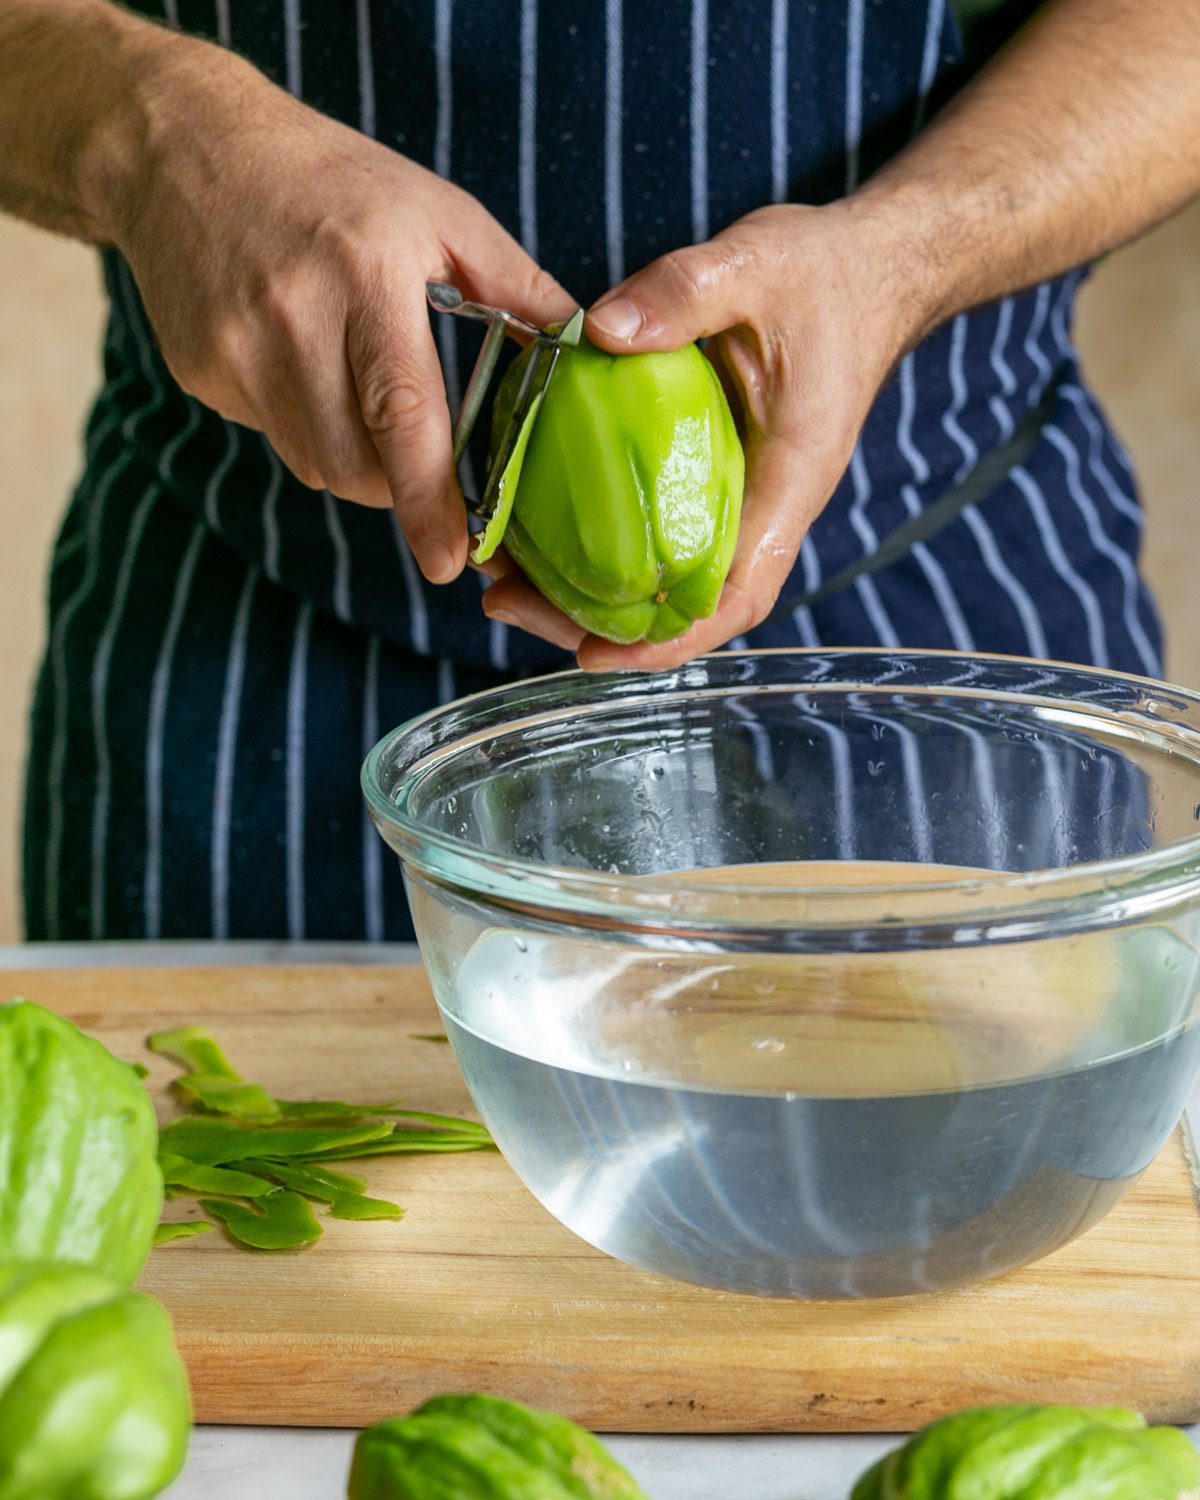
(681, 297)
(494, 269)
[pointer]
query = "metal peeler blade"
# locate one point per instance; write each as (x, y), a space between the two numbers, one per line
(445, 298)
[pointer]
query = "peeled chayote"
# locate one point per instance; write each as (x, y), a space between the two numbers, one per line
(477, 1447)
(93, 1398)
(1034, 1452)
(79, 1176)
(624, 496)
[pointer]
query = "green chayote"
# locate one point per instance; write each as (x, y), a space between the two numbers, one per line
(93, 1398)
(79, 1178)
(1034, 1452)
(626, 493)
(478, 1447)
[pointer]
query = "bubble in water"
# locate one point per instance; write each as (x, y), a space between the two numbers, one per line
(765, 986)
(520, 944)
(658, 772)
(451, 804)
(769, 1044)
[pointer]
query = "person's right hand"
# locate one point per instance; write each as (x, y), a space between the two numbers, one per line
(282, 258)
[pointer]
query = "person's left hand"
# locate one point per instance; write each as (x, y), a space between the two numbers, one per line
(808, 310)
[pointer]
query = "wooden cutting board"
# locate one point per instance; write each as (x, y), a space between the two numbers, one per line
(478, 1288)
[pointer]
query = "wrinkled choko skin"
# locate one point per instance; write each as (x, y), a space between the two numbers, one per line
(93, 1397)
(478, 1447)
(79, 1176)
(1037, 1453)
(626, 502)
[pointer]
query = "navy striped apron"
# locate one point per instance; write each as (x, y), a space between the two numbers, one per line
(224, 644)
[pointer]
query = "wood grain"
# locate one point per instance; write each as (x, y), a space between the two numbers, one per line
(478, 1288)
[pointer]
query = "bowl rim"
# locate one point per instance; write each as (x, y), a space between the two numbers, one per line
(1024, 901)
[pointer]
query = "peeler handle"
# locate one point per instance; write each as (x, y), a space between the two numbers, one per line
(477, 387)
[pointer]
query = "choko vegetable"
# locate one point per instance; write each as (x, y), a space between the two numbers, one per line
(622, 501)
(93, 1398)
(79, 1179)
(1037, 1453)
(478, 1447)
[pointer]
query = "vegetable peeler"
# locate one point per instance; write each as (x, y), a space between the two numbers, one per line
(445, 298)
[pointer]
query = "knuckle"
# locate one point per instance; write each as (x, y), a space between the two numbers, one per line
(689, 273)
(392, 401)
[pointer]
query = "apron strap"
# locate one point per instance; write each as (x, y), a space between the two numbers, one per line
(949, 505)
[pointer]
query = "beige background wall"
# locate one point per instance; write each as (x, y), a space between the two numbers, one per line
(1139, 330)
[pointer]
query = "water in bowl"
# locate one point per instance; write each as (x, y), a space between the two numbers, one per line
(827, 1125)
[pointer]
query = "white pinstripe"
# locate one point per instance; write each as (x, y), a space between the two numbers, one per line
(843, 776)
(699, 121)
(269, 518)
(101, 664)
(212, 490)
(914, 783)
(58, 673)
(57, 657)
(855, 23)
(373, 917)
(366, 69)
(297, 704)
(958, 388)
(167, 457)
(865, 587)
(224, 33)
(444, 122)
(990, 805)
(67, 549)
(527, 128)
(1041, 307)
(934, 17)
(935, 574)
(984, 775)
(291, 43)
(810, 567)
(1120, 501)
(418, 618)
(614, 215)
(1028, 612)
(779, 109)
(159, 689)
(1104, 544)
(222, 805)
(446, 690)
(911, 454)
(1004, 374)
(158, 392)
(341, 558)
(1031, 620)
(1097, 643)
(764, 761)
(171, 13)
(498, 645)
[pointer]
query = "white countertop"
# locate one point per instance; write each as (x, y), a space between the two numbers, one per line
(250, 1463)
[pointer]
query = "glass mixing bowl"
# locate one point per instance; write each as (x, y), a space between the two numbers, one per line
(841, 973)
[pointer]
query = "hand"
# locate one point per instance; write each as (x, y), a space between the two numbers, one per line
(283, 258)
(808, 309)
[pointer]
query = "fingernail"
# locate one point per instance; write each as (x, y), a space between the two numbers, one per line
(501, 616)
(435, 561)
(619, 319)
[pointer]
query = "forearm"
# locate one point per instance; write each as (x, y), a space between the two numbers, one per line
(1083, 132)
(75, 80)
